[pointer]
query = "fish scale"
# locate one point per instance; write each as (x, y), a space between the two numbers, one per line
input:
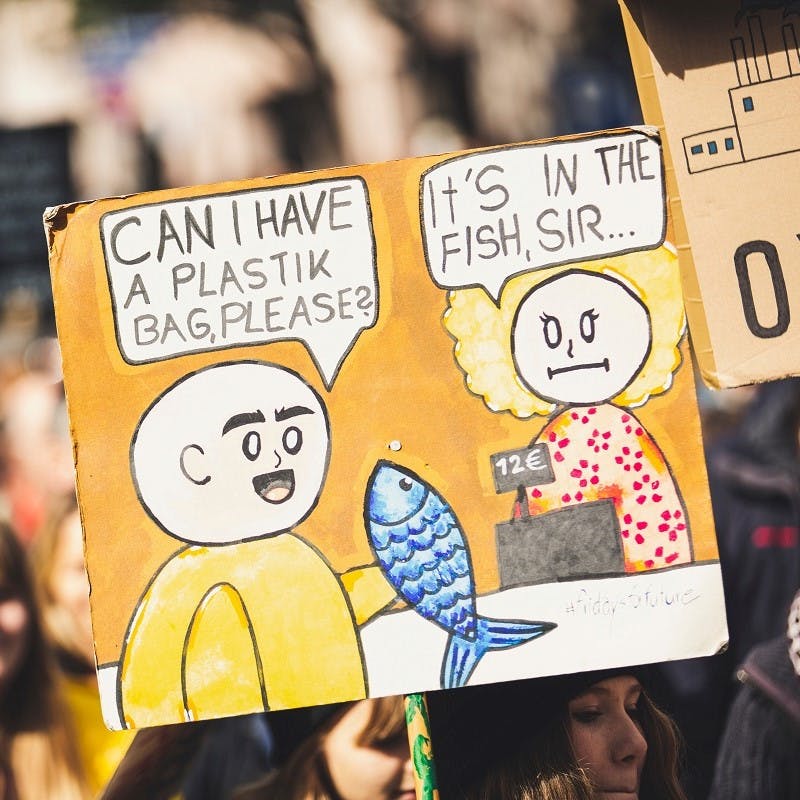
(426, 560)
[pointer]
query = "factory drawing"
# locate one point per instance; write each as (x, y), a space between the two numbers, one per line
(764, 104)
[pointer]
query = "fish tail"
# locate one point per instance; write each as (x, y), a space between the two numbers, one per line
(460, 659)
(462, 655)
(501, 634)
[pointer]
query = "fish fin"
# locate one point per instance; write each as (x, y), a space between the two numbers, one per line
(460, 659)
(501, 634)
(462, 655)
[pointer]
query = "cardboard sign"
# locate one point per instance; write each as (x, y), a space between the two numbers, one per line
(722, 79)
(384, 429)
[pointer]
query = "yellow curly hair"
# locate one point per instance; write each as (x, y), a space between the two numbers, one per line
(482, 331)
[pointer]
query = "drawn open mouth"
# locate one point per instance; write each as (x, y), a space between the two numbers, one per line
(275, 487)
(572, 367)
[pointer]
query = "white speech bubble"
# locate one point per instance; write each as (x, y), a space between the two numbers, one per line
(489, 216)
(244, 268)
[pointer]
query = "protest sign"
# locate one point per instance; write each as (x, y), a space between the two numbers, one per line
(722, 79)
(384, 429)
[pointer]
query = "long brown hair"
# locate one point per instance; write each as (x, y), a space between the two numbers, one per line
(660, 776)
(543, 769)
(305, 775)
(60, 627)
(36, 739)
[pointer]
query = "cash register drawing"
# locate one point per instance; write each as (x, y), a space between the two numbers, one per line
(583, 345)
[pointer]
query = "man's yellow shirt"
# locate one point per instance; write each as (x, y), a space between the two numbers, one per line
(231, 629)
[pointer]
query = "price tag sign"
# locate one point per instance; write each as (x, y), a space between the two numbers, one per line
(528, 466)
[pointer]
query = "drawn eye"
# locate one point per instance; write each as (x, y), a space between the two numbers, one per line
(552, 330)
(292, 440)
(405, 484)
(251, 445)
(588, 319)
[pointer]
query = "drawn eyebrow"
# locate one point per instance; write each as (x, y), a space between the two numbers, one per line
(237, 420)
(282, 414)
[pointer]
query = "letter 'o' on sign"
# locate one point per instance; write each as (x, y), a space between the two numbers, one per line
(770, 254)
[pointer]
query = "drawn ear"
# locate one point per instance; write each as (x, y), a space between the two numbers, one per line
(191, 462)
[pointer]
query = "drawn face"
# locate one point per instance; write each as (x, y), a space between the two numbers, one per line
(233, 452)
(580, 338)
(607, 737)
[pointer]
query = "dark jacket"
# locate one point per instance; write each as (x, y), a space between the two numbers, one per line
(754, 476)
(759, 757)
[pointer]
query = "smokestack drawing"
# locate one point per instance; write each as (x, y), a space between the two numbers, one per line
(791, 49)
(740, 60)
(759, 44)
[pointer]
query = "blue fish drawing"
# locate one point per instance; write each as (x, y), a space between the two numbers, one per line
(420, 546)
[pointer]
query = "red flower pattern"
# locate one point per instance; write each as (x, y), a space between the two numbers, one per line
(603, 452)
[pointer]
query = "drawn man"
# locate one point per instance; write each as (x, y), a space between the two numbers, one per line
(247, 615)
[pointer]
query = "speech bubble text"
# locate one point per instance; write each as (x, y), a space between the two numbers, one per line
(489, 216)
(244, 268)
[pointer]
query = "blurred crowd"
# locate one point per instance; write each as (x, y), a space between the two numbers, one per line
(185, 93)
(149, 95)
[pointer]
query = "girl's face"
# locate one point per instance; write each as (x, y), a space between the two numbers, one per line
(14, 636)
(607, 738)
(69, 585)
(380, 771)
